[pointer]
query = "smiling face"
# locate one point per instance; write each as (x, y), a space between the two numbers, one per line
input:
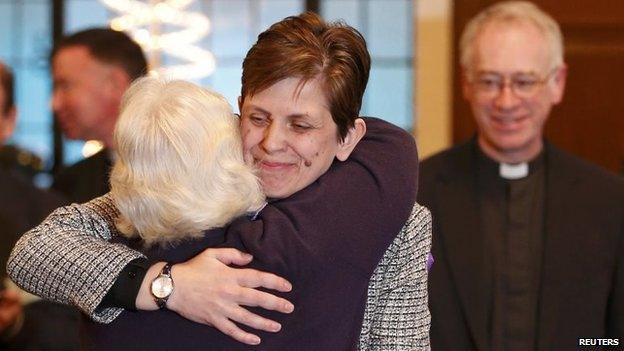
(511, 127)
(291, 138)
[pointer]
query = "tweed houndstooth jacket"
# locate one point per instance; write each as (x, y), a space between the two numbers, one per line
(67, 259)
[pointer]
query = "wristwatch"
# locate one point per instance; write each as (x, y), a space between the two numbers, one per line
(162, 286)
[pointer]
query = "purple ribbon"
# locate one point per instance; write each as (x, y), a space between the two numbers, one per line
(430, 261)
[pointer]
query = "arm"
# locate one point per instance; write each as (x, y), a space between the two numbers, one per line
(345, 221)
(397, 316)
(67, 259)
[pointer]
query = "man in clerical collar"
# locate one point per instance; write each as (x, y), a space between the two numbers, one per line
(528, 240)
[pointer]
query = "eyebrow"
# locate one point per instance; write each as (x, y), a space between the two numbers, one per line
(291, 116)
(256, 108)
(512, 74)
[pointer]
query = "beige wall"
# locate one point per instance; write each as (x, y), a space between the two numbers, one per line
(433, 93)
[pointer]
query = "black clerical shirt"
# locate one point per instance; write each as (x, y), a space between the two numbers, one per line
(512, 217)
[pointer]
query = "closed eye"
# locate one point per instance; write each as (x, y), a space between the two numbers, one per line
(258, 120)
(300, 127)
(525, 83)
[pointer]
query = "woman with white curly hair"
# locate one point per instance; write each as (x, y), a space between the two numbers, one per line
(179, 168)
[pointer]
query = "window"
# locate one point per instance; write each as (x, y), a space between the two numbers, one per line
(386, 24)
(387, 27)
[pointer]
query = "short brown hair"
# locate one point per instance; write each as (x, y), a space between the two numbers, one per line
(307, 47)
(6, 82)
(108, 46)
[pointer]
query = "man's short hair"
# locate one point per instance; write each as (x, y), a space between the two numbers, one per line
(307, 47)
(7, 84)
(509, 12)
(108, 46)
(179, 167)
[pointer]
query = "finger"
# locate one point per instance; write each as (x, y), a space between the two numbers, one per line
(252, 278)
(230, 256)
(255, 298)
(236, 333)
(247, 318)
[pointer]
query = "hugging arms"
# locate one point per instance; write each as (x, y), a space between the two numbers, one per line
(342, 225)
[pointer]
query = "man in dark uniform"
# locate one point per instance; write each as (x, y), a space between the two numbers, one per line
(40, 325)
(22, 206)
(91, 71)
(528, 240)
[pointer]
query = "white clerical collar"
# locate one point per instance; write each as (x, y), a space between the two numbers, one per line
(513, 171)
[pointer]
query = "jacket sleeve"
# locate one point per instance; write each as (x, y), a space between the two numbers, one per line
(397, 314)
(68, 259)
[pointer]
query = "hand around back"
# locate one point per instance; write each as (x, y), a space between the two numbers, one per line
(209, 291)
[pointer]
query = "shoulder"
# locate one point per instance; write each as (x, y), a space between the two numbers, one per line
(600, 180)
(86, 179)
(413, 242)
(447, 160)
(9, 183)
(15, 190)
(442, 167)
(388, 137)
(420, 216)
(388, 152)
(22, 206)
(97, 160)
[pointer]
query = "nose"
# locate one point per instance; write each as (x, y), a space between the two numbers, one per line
(274, 138)
(506, 98)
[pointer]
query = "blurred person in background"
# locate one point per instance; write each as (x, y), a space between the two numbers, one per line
(91, 70)
(36, 325)
(528, 239)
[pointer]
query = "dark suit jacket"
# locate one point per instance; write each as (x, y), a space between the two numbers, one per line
(86, 179)
(582, 283)
(47, 325)
(22, 206)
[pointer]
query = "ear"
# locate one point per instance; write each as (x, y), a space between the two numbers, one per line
(354, 135)
(465, 84)
(557, 86)
(7, 124)
(240, 111)
(118, 80)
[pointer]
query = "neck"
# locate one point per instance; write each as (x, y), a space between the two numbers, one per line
(107, 129)
(511, 156)
(107, 140)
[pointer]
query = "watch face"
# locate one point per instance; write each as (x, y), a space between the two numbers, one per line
(162, 286)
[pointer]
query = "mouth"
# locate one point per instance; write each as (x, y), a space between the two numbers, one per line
(508, 124)
(273, 166)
